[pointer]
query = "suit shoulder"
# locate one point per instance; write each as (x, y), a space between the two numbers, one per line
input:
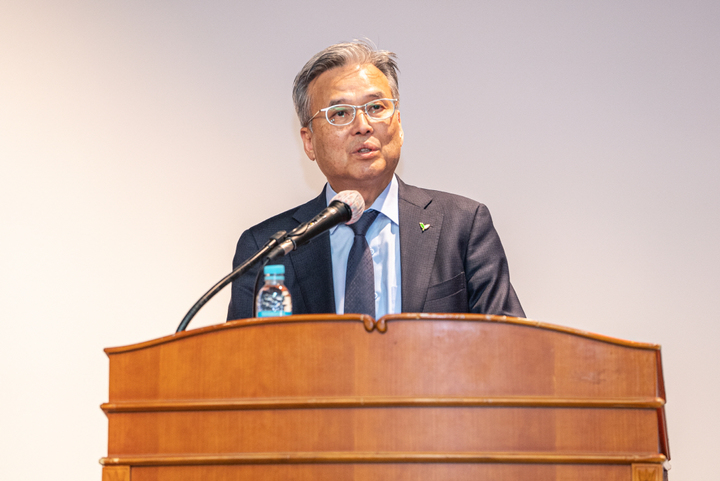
(454, 199)
(447, 201)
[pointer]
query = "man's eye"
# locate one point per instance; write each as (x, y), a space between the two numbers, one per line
(339, 112)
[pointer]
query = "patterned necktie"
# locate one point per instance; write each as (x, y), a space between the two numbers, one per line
(360, 275)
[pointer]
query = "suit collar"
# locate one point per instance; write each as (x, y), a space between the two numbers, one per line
(310, 209)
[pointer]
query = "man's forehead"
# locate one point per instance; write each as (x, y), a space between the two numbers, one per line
(346, 83)
(363, 98)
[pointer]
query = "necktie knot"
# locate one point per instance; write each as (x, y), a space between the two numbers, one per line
(361, 226)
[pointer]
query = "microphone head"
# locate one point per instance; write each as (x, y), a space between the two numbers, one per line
(354, 200)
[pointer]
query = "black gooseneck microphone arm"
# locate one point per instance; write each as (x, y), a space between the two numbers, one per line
(274, 240)
(347, 206)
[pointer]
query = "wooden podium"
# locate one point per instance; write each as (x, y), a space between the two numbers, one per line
(409, 397)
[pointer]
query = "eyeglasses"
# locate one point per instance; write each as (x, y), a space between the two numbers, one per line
(343, 114)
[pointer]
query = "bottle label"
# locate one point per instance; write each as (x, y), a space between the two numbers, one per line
(273, 313)
(273, 301)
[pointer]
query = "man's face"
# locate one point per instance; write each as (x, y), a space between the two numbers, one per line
(360, 156)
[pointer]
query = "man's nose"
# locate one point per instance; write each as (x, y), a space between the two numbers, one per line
(362, 122)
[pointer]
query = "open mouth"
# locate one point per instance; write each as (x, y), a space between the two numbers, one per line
(365, 149)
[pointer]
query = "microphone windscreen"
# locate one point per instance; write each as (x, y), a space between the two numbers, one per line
(354, 200)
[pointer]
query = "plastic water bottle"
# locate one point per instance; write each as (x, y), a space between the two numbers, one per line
(273, 298)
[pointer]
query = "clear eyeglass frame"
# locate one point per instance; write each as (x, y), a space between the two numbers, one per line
(336, 114)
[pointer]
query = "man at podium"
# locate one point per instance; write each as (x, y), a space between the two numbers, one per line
(413, 250)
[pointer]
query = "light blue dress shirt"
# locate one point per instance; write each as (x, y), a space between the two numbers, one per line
(383, 237)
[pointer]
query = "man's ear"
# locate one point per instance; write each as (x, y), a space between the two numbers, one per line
(306, 135)
(402, 133)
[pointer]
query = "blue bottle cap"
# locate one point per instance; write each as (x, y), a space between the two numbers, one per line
(275, 269)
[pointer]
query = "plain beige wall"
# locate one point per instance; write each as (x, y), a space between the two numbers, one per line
(139, 138)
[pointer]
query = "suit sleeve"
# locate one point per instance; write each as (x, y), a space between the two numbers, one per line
(486, 267)
(241, 300)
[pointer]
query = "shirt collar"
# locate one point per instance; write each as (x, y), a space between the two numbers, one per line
(386, 203)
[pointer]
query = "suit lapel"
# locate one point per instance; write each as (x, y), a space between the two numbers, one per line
(312, 263)
(417, 246)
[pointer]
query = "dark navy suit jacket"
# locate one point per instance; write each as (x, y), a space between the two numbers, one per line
(457, 265)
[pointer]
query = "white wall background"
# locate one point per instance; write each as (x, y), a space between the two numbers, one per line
(139, 138)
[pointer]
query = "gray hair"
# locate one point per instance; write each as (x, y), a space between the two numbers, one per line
(338, 55)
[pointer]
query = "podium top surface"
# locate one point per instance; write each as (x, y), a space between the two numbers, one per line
(381, 326)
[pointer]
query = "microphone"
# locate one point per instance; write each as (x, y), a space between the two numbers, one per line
(347, 206)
